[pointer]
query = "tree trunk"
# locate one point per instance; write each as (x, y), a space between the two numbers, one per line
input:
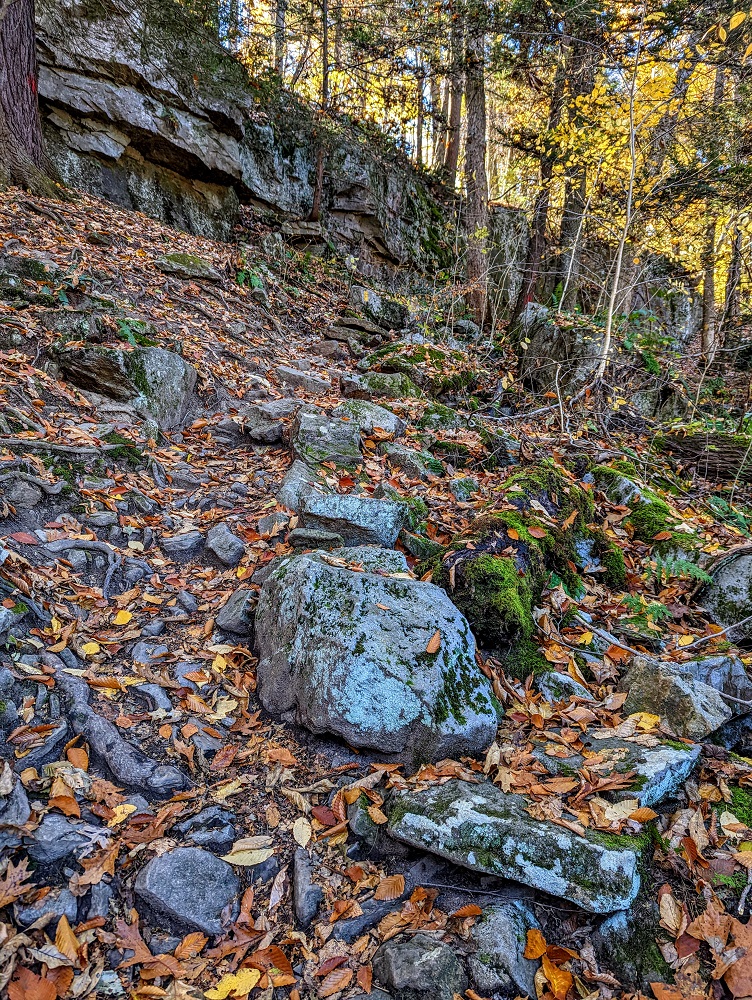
(280, 41)
(707, 336)
(476, 210)
(536, 250)
(452, 149)
(420, 118)
(732, 296)
(22, 158)
(715, 456)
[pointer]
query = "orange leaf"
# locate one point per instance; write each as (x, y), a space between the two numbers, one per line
(471, 910)
(513, 534)
(662, 536)
(559, 980)
(78, 757)
(391, 887)
(335, 982)
(66, 804)
(434, 643)
(536, 944)
(280, 755)
(537, 532)
(643, 815)
(365, 975)
(191, 945)
(14, 882)
(66, 941)
(331, 963)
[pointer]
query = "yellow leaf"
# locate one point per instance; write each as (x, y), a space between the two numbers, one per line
(236, 984)
(301, 831)
(646, 721)
(121, 813)
(737, 19)
(685, 640)
(585, 639)
(748, 51)
(90, 648)
(122, 618)
(247, 859)
(66, 941)
(722, 34)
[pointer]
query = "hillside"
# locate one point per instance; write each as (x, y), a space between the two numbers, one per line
(255, 518)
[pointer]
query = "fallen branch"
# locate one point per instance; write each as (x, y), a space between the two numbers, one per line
(88, 451)
(114, 558)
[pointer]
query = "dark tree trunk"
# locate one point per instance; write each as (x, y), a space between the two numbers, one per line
(536, 251)
(715, 456)
(476, 211)
(22, 159)
(452, 149)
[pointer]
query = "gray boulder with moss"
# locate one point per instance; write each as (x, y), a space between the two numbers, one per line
(499, 964)
(317, 438)
(482, 828)
(415, 464)
(345, 652)
(154, 381)
(729, 597)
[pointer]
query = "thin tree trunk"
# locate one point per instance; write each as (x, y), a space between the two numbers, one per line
(452, 151)
(732, 297)
(280, 36)
(419, 120)
(707, 334)
(22, 158)
(476, 210)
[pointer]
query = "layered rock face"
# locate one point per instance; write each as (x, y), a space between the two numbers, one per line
(143, 109)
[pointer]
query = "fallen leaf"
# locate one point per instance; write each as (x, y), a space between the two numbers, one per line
(335, 982)
(237, 984)
(390, 887)
(434, 643)
(301, 831)
(536, 944)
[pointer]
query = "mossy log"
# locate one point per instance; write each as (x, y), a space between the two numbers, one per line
(715, 456)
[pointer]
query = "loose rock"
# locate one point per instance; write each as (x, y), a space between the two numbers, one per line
(420, 968)
(359, 520)
(499, 964)
(228, 548)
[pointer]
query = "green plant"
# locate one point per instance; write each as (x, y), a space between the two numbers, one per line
(645, 615)
(670, 567)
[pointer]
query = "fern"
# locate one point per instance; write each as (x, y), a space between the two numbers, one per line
(675, 568)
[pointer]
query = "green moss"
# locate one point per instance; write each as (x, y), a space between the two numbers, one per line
(438, 416)
(649, 517)
(126, 450)
(496, 599)
(417, 511)
(187, 260)
(737, 880)
(550, 482)
(19, 609)
(525, 660)
(741, 805)
(615, 575)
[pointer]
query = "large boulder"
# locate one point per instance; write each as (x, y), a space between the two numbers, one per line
(346, 652)
(153, 380)
(729, 597)
(317, 437)
(679, 694)
(369, 417)
(386, 313)
(487, 830)
(555, 356)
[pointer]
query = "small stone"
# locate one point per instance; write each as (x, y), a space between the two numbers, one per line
(189, 888)
(228, 548)
(298, 483)
(317, 438)
(463, 489)
(236, 614)
(211, 828)
(273, 524)
(154, 628)
(148, 652)
(420, 968)
(298, 379)
(692, 709)
(368, 417)
(187, 601)
(98, 900)
(184, 546)
(499, 964)
(14, 813)
(556, 686)
(307, 897)
(415, 464)
(188, 266)
(56, 838)
(59, 902)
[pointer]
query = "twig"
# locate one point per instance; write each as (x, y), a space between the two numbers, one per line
(63, 449)
(715, 635)
(114, 558)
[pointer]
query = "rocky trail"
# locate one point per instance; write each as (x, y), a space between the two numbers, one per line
(317, 678)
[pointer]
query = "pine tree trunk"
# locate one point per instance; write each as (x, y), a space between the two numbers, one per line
(476, 211)
(22, 159)
(280, 36)
(452, 150)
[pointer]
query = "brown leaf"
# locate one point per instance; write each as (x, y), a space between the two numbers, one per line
(390, 887)
(25, 985)
(335, 982)
(434, 643)
(191, 945)
(537, 532)
(364, 977)
(66, 804)
(271, 958)
(14, 882)
(331, 963)
(78, 757)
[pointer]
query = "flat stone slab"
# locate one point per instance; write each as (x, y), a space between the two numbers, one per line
(359, 520)
(486, 830)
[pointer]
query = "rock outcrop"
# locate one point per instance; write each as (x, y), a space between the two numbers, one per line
(162, 119)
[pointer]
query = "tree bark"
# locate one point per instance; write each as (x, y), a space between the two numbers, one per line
(452, 148)
(536, 250)
(280, 17)
(22, 158)
(476, 210)
(715, 456)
